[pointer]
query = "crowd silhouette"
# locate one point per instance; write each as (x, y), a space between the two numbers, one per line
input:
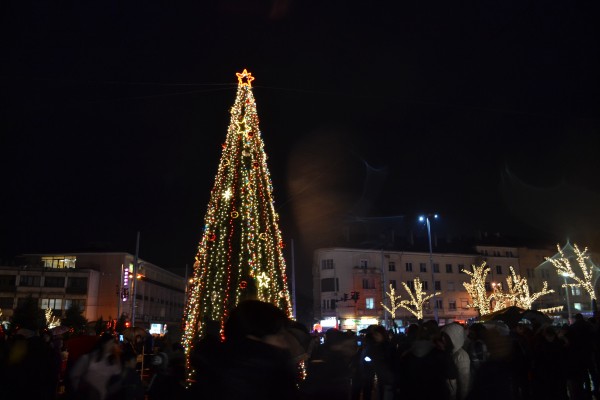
(261, 354)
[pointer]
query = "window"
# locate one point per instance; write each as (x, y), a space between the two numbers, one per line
(327, 264)
(391, 266)
(333, 304)
(411, 285)
(509, 254)
(393, 283)
(54, 281)
(22, 300)
(460, 268)
(452, 305)
(7, 281)
(436, 268)
(368, 284)
(75, 303)
(7, 303)
(439, 304)
(437, 285)
(55, 304)
(77, 285)
(450, 286)
(448, 268)
(577, 306)
(422, 267)
(408, 267)
(59, 262)
(425, 285)
(364, 264)
(370, 303)
(329, 284)
(426, 306)
(29, 280)
(575, 291)
(499, 269)
(464, 303)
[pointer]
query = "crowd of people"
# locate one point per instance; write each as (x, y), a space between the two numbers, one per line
(267, 356)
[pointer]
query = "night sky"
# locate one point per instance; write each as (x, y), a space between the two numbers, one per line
(112, 117)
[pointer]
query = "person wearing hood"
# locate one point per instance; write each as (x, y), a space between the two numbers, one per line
(453, 335)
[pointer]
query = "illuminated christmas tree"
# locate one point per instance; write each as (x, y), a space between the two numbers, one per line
(240, 254)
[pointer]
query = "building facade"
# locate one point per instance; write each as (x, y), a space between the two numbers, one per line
(101, 285)
(350, 284)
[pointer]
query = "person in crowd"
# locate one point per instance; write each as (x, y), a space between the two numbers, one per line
(422, 371)
(375, 361)
(453, 338)
(476, 347)
(329, 367)
(549, 374)
(127, 385)
(256, 362)
(494, 379)
(89, 377)
(522, 358)
(164, 384)
(580, 354)
(205, 360)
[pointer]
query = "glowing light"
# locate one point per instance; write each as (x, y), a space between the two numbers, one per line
(417, 299)
(394, 302)
(239, 253)
(588, 272)
(51, 320)
(476, 289)
(245, 78)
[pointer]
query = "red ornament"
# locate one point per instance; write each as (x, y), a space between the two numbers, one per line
(224, 145)
(243, 284)
(250, 134)
(212, 237)
(255, 164)
(281, 244)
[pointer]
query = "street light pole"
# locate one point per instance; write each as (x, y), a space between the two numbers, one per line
(568, 301)
(426, 218)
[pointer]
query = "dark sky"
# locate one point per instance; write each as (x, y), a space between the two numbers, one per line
(112, 116)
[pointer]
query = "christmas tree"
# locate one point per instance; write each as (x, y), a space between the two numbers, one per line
(240, 254)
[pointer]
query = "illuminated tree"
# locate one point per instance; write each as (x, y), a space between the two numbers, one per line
(240, 253)
(588, 271)
(51, 320)
(394, 302)
(518, 293)
(480, 300)
(417, 299)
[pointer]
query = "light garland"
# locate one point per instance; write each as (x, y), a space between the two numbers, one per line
(394, 302)
(241, 240)
(51, 320)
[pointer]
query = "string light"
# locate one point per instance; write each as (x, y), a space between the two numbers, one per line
(394, 302)
(589, 273)
(51, 320)
(417, 299)
(241, 239)
(476, 289)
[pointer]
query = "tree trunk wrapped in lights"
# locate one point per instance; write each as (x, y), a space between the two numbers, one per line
(394, 302)
(417, 299)
(480, 300)
(240, 254)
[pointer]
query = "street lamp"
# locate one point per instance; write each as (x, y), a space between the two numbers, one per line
(565, 275)
(425, 218)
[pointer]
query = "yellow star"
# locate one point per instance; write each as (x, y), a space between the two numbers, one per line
(241, 125)
(247, 75)
(263, 280)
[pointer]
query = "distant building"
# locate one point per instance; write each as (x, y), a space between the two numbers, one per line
(100, 284)
(339, 272)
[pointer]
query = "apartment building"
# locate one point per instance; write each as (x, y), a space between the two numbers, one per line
(100, 284)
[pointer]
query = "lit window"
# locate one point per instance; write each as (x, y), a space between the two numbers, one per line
(370, 303)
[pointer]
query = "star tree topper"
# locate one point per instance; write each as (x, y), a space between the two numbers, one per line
(245, 75)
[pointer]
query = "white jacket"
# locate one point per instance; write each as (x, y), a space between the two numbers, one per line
(459, 388)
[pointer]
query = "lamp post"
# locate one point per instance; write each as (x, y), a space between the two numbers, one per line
(428, 223)
(565, 275)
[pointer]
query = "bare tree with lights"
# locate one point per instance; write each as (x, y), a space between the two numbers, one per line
(564, 268)
(394, 302)
(417, 299)
(51, 320)
(480, 300)
(519, 293)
